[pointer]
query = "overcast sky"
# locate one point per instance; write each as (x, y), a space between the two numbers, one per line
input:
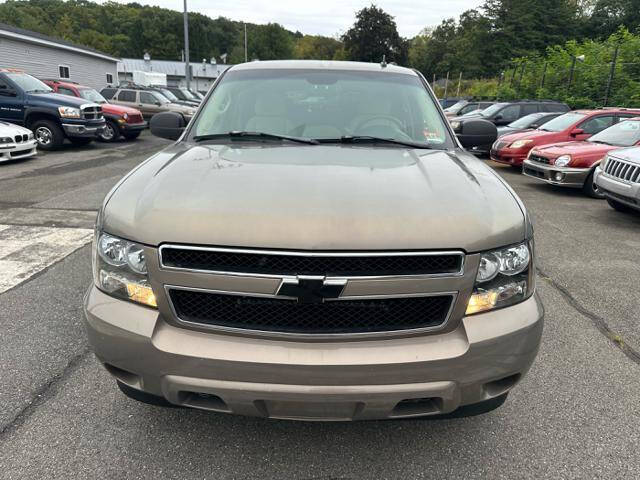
(325, 17)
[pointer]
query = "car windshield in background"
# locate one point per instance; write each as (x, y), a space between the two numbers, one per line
(91, 95)
(188, 94)
(28, 83)
(489, 111)
(562, 122)
(324, 105)
(169, 95)
(526, 121)
(623, 134)
(456, 106)
(161, 98)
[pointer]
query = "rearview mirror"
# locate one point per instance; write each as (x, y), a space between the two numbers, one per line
(576, 131)
(476, 133)
(169, 125)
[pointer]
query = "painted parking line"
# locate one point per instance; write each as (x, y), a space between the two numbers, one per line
(27, 250)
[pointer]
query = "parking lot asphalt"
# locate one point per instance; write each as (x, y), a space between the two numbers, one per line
(576, 415)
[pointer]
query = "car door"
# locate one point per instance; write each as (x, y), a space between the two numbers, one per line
(11, 103)
(507, 115)
(126, 98)
(150, 103)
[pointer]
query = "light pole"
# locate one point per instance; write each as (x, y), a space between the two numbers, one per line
(573, 67)
(246, 58)
(187, 72)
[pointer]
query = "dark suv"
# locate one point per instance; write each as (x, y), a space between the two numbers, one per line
(503, 113)
(25, 100)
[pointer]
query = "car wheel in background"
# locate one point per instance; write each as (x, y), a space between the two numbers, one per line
(590, 188)
(80, 140)
(48, 134)
(110, 133)
(131, 135)
(620, 207)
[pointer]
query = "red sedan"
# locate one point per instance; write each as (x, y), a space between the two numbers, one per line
(572, 164)
(572, 126)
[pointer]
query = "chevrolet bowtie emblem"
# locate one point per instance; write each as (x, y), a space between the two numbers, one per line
(311, 290)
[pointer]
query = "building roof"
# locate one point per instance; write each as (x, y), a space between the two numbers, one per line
(170, 67)
(10, 31)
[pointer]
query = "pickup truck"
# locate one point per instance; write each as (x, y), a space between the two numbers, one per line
(25, 100)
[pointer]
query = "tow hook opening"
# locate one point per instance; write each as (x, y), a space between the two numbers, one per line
(498, 387)
(418, 406)
(206, 401)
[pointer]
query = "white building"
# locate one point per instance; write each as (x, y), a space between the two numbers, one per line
(46, 57)
(202, 74)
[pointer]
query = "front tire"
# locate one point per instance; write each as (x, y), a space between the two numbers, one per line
(110, 133)
(591, 189)
(620, 207)
(48, 134)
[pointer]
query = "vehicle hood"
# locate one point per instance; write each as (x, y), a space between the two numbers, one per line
(466, 117)
(502, 131)
(539, 137)
(118, 109)
(9, 130)
(58, 99)
(583, 154)
(315, 198)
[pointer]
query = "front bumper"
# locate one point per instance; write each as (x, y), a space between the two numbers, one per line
(17, 151)
(507, 157)
(132, 127)
(83, 129)
(482, 358)
(615, 189)
(568, 177)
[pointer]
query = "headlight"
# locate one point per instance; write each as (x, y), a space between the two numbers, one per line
(120, 269)
(69, 112)
(603, 163)
(563, 161)
(520, 143)
(455, 126)
(31, 137)
(505, 277)
(6, 140)
(125, 116)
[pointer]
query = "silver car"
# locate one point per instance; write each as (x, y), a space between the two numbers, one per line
(316, 245)
(618, 178)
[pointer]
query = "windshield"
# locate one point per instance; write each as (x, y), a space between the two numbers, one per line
(526, 121)
(28, 83)
(623, 134)
(161, 98)
(456, 106)
(91, 95)
(188, 94)
(562, 122)
(323, 104)
(489, 111)
(169, 95)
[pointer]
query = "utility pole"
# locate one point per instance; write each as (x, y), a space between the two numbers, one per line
(611, 74)
(246, 57)
(544, 75)
(187, 70)
(446, 86)
(459, 82)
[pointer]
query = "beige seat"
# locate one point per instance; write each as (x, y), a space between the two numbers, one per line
(270, 116)
(373, 108)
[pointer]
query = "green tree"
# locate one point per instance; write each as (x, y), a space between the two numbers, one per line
(310, 47)
(373, 36)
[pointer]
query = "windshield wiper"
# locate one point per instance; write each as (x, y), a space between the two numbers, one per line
(255, 136)
(369, 139)
(38, 90)
(600, 141)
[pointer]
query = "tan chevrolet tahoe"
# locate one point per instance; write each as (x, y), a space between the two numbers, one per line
(316, 245)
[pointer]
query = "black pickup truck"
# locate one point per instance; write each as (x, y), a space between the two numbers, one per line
(25, 100)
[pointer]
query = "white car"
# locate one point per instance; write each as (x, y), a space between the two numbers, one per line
(16, 142)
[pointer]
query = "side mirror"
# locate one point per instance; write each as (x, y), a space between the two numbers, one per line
(576, 131)
(158, 104)
(169, 125)
(476, 133)
(497, 118)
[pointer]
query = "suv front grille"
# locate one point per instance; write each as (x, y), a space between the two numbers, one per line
(626, 171)
(331, 317)
(92, 112)
(539, 159)
(294, 263)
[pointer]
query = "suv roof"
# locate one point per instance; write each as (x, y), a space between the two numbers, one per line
(324, 65)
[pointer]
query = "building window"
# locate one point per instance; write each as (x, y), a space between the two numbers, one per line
(109, 79)
(63, 70)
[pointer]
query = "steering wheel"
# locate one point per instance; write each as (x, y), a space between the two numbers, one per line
(369, 120)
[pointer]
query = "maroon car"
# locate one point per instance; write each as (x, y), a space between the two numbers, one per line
(572, 164)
